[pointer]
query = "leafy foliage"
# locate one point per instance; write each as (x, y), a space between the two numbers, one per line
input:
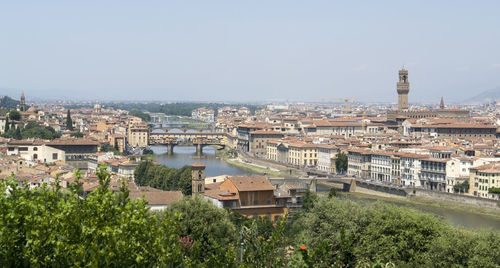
(344, 233)
(461, 187)
(14, 115)
(77, 135)
(141, 115)
(69, 121)
(206, 224)
(181, 109)
(163, 177)
(52, 227)
(341, 162)
(32, 130)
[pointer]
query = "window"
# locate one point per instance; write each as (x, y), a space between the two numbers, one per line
(200, 187)
(54, 156)
(35, 156)
(255, 202)
(35, 148)
(242, 202)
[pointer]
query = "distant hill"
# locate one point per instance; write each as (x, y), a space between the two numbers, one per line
(7, 102)
(485, 96)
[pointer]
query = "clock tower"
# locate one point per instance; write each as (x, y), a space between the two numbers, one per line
(403, 88)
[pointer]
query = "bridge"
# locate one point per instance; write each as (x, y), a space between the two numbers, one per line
(197, 139)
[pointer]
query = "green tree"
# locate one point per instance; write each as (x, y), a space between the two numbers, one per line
(50, 227)
(6, 124)
(341, 162)
(143, 116)
(77, 135)
(69, 122)
(205, 224)
(14, 115)
(309, 199)
(332, 193)
(17, 134)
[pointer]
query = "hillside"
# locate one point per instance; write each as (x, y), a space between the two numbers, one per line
(485, 96)
(7, 102)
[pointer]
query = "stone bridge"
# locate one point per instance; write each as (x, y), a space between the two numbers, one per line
(317, 184)
(197, 139)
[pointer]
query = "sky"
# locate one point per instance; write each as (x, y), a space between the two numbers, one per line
(248, 50)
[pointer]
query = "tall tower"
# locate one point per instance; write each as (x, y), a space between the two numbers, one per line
(441, 104)
(198, 178)
(403, 88)
(22, 104)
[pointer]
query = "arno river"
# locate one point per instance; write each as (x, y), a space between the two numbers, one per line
(215, 166)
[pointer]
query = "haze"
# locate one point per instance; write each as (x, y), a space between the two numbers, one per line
(248, 50)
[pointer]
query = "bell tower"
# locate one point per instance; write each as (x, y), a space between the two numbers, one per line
(403, 88)
(198, 178)
(22, 103)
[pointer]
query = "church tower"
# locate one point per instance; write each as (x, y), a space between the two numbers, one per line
(198, 178)
(403, 88)
(22, 104)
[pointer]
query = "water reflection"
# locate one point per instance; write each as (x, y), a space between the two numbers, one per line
(187, 155)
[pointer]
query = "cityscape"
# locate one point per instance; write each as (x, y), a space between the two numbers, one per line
(277, 177)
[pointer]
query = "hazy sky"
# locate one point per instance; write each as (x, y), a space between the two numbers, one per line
(248, 50)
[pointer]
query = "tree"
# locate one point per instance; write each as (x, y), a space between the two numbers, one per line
(309, 200)
(6, 123)
(205, 224)
(77, 135)
(14, 115)
(332, 193)
(69, 122)
(17, 134)
(143, 116)
(341, 162)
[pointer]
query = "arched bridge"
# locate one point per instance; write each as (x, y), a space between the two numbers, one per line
(198, 139)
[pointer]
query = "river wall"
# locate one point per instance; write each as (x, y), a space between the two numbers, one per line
(456, 198)
(381, 188)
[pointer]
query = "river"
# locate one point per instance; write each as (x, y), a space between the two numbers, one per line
(187, 156)
(216, 166)
(456, 217)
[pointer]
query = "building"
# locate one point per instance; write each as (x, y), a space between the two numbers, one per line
(258, 141)
(203, 114)
(327, 154)
(485, 181)
(403, 112)
(36, 151)
(76, 150)
(22, 103)
(403, 88)
(138, 135)
(359, 163)
(198, 178)
(157, 199)
(381, 166)
(251, 196)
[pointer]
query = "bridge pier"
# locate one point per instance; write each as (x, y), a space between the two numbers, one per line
(199, 149)
(170, 148)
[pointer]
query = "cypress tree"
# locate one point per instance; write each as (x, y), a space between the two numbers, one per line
(69, 122)
(6, 123)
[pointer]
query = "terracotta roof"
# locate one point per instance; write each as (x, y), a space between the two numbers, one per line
(251, 183)
(157, 197)
(267, 132)
(73, 141)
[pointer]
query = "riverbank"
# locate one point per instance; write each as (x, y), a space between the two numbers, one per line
(253, 168)
(431, 206)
